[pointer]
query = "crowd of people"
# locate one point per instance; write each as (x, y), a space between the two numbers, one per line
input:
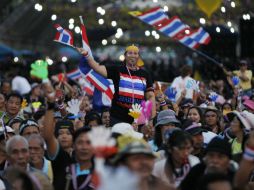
(189, 135)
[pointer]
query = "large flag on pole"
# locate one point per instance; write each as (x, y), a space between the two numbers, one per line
(173, 27)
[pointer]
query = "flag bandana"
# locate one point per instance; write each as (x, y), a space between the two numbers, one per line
(63, 36)
(173, 27)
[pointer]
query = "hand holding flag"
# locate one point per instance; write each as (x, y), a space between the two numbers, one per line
(63, 36)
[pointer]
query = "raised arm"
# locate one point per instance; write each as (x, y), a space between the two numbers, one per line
(101, 69)
(49, 122)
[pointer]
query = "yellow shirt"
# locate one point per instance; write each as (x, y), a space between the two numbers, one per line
(245, 85)
(236, 146)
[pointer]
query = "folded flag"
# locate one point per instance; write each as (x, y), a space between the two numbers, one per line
(63, 36)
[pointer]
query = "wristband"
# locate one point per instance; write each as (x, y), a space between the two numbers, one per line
(248, 154)
(163, 103)
(86, 55)
(46, 80)
(61, 106)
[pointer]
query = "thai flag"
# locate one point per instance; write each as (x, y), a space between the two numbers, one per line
(85, 42)
(132, 87)
(63, 36)
(186, 40)
(200, 35)
(153, 16)
(172, 27)
(101, 99)
(88, 88)
(95, 79)
(74, 74)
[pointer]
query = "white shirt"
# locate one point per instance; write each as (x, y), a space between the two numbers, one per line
(179, 84)
(21, 85)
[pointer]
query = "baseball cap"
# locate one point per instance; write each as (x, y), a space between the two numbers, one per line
(217, 144)
(64, 124)
(195, 129)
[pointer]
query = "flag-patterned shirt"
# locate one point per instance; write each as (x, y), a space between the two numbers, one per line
(129, 88)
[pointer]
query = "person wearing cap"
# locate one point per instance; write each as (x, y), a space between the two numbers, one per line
(212, 121)
(195, 130)
(217, 160)
(178, 161)
(138, 157)
(244, 75)
(132, 83)
(166, 119)
(241, 123)
(28, 127)
(185, 104)
(125, 129)
(70, 154)
(35, 94)
(249, 105)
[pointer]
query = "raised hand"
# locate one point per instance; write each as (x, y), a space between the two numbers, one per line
(73, 106)
(39, 69)
(135, 111)
(235, 80)
(213, 96)
(171, 94)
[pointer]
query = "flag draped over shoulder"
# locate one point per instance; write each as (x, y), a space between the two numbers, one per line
(173, 27)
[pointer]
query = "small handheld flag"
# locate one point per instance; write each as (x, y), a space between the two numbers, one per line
(63, 36)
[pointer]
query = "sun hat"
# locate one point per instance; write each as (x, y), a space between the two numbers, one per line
(165, 117)
(136, 147)
(246, 118)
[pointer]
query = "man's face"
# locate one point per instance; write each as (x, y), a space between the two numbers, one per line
(36, 151)
(30, 130)
(65, 138)
(6, 88)
(19, 155)
(13, 105)
(166, 127)
(217, 162)
(106, 119)
(198, 141)
(83, 148)
(141, 164)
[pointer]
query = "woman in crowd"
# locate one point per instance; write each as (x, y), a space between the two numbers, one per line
(132, 83)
